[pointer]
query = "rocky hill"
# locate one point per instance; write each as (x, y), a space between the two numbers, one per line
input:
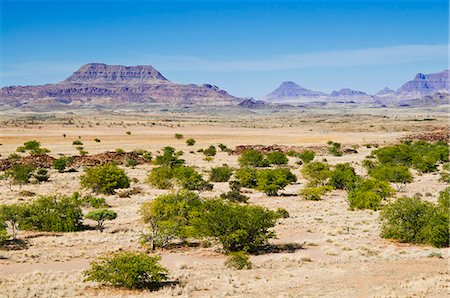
(100, 84)
(290, 90)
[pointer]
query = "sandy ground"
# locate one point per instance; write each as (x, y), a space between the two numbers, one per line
(342, 256)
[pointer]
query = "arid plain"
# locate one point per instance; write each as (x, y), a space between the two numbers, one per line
(341, 254)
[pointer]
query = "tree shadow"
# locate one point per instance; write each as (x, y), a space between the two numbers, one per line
(278, 248)
(15, 244)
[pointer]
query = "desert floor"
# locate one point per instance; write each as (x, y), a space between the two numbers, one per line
(342, 255)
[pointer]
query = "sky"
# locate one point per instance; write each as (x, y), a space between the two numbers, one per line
(245, 47)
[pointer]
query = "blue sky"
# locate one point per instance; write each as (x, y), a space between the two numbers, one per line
(245, 47)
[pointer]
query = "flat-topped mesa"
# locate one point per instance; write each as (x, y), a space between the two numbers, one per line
(103, 73)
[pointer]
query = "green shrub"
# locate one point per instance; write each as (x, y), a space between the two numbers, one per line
(343, 177)
(131, 270)
(105, 178)
(20, 173)
(60, 164)
(94, 202)
(397, 174)
(221, 174)
(12, 214)
(271, 181)
(169, 217)
(131, 162)
(160, 177)
(234, 196)
(188, 178)
(282, 213)
(97, 140)
(33, 147)
(3, 233)
(246, 177)
(190, 142)
(444, 198)
(315, 193)
(169, 158)
(236, 227)
(41, 175)
(317, 173)
(335, 148)
(223, 147)
(178, 136)
(77, 143)
(210, 151)
(415, 221)
(364, 200)
(120, 150)
(238, 260)
(52, 214)
(306, 155)
(276, 158)
(100, 216)
(252, 158)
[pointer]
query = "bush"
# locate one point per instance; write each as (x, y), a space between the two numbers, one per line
(314, 193)
(97, 140)
(223, 147)
(178, 136)
(34, 147)
(444, 198)
(271, 181)
(343, 177)
(364, 200)
(3, 234)
(306, 155)
(277, 158)
(20, 173)
(100, 216)
(52, 214)
(210, 151)
(131, 162)
(221, 174)
(236, 227)
(412, 220)
(77, 143)
(252, 158)
(188, 178)
(60, 164)
(169, 216)
(317, 173)
(234, 196)
(12, 214)
(169, 158)
(160, 177)
(127, 269)
(120, 150)
(335, 148)
(41, 175)
(94, 202)
(246, 177)
(282, 213)
(238, 260)
(105, 179)
(398, 174)
(190, 142)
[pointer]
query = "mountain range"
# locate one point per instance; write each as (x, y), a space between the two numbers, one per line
(428, 86)
(102, 85)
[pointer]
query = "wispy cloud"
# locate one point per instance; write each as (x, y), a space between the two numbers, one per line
(346, 58)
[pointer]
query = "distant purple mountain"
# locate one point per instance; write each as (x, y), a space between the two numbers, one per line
(346, 92)
(426, 84)
(289, 90)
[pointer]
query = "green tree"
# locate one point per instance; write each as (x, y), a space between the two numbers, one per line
(12, 214)
(246, 177)
(221, 174)
(252, 158)
(270, 181)
(397, 174)
(60, 164)
(368, 194)
(317, 173)
(343, 177)
(100, 216)
(105, 179)
(276, 158)
(306, 155)
(169, 158)
(190, 142)
(34, 147)
(160, 177)
(20, 173)
(188, 178)
(131, 270)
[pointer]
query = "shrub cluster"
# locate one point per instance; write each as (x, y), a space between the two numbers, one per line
(105, 179)
(221, 174)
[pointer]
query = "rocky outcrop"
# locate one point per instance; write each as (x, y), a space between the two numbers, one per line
(251, 103)
(106, 85)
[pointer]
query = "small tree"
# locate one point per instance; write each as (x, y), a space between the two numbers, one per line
(20, 173)
(127, 269)
(33, 147)
(178, 136)
(271, 181)
(315, 193)
(221, 174)
(12, 214)
(306, 155)
(343, 177)
(335, 148)
(246, 177)
(160, 177)
(188, 178)
(368, 194)
(277, 158)
(252, 158)
(77, 143)
(397, 174)
(100, 216)
(210, 151)
(169, 158)
(190, 142)
(60, 164)
(317, 173)
(105, 179)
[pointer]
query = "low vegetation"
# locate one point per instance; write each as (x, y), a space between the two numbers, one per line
(105, 179)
